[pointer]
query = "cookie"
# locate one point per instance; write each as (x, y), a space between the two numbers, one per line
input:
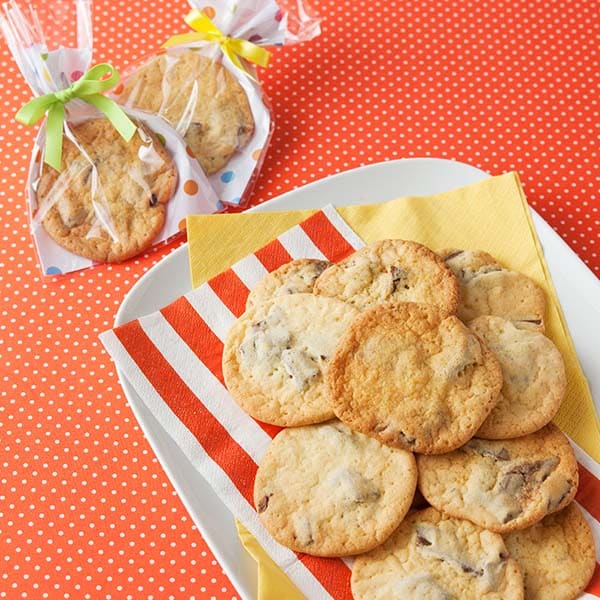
(467, 264)
(434, 557)
(391, 271)
(127, 209)
(295, 277)
(413, 378)
(326, 490)
(502, 485)
(275, 355)
(557, 556)
(199, 98)
(505, 294)
(534, 378)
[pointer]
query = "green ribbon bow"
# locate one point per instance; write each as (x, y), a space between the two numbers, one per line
(88, 88)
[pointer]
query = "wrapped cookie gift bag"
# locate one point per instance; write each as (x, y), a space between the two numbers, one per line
(103, 183)
(204, 83)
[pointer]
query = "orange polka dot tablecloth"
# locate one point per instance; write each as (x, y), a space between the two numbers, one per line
(85, 509)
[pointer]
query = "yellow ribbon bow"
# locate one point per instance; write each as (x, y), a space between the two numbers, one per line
(205, 30)
(88, 88)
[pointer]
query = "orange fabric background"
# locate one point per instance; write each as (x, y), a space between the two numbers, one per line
(85, 509)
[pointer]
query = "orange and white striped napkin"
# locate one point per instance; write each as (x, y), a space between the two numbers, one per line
(173, 360)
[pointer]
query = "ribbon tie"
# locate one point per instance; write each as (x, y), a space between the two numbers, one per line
(88, 88)
(234, 48)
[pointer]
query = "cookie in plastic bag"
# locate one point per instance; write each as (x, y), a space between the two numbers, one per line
(107, 203)
(198, 96)
(104, 184)
(205, 85)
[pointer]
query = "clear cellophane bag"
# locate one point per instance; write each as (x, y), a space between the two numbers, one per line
(219, 109)
(111, 199)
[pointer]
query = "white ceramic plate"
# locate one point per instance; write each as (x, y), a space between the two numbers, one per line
(578, 290)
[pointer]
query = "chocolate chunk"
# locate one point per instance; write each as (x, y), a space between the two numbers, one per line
(467, 274)
(371, 496)
(442, 551)
(320, 266)
(527, 473)
(513, 514)
(303, 533)
(504, 556)
(495, 453)
(406, 439)
(399, 278)
(469, 569)
(501, 454)
(512, 483)
(300, 367)
(153, 200)
(546, 469)
(263, 503)
(452, 255)
(554, 503)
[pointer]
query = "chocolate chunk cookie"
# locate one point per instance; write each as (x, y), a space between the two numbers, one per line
(434, 557)
(557, 556)
(467, 264)
(391, 271)
(413, 378)
(326, 490)
(534, 378)
(108, 202)
(502, 485)
(200, 98)
(276, 353)
(295, 277)
(487, 288)
(505, 294)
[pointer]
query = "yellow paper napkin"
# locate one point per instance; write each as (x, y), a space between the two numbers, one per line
(492, 215)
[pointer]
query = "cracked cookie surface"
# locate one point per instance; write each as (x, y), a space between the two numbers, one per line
(412, 378)
(295, 277)
(108, 202)
(276, 353)
(502, 485)
(200, 98)
(557, 556)
(391, 271)
(434, 557)
(534, 379)
(326, 490)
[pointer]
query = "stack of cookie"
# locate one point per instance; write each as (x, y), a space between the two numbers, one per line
(417, 391)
